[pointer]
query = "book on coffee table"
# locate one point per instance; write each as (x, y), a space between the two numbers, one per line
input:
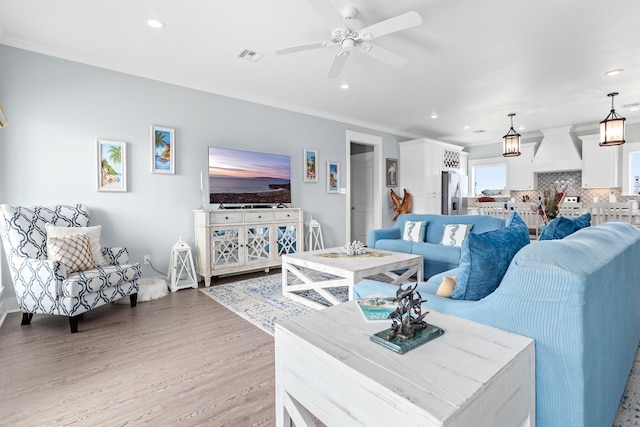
(377, 308)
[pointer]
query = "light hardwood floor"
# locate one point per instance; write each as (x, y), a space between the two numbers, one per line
(180, 360)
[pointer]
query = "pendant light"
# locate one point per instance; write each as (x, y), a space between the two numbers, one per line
(511, 141)
(612, 127)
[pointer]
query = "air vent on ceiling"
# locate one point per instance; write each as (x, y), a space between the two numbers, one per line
(249, 55)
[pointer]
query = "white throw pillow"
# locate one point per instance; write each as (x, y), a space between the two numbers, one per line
(414, 231)
(92, 232)
(454, 234)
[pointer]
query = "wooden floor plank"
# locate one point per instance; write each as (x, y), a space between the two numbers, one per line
(180, 360)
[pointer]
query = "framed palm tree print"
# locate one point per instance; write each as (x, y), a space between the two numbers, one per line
(111, 165)
(163, 150)
(310, 165)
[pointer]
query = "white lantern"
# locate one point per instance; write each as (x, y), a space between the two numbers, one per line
(182, 271)
(314, 236)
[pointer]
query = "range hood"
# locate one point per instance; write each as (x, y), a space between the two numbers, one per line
(558, 151)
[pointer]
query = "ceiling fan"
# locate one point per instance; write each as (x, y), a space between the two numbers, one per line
(349, 35)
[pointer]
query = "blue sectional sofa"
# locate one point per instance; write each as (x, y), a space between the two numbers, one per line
(579, 299)
(437, 258)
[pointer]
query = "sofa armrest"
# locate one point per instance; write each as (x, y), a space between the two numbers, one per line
(382, 233)
(116, 256)
(37, 277)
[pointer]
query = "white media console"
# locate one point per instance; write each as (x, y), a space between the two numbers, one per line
(238, 240)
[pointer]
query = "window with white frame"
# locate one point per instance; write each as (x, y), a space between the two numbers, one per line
(488, 177)
(634, 172)
(631, 169)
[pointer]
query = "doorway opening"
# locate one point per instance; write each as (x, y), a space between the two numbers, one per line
(364, 185)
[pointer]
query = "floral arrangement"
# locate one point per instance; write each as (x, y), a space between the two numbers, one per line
(552, 198)
(354, 248)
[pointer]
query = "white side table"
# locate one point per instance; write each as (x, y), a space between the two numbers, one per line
(182, 272)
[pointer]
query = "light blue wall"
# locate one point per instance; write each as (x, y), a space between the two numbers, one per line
(57, 109)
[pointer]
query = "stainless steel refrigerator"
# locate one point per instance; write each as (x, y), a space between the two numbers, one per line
(455, 188)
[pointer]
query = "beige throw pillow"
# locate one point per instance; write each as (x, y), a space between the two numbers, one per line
(446, 287)
(92, 232)
(73, 251)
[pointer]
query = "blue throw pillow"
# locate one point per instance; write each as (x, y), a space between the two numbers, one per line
(485, 257)
(561, 227)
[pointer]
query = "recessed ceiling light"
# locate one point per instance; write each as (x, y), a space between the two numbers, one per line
(467, 127)
(155, 23)
(433, 116)
(344, 86)
(613, 72)
(521, 128)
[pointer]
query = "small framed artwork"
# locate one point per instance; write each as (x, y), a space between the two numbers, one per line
(333, 177)
(310, 165)
(392, 172)
(111, 164)
(163, 150)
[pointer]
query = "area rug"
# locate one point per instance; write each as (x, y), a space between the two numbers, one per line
(260, 301)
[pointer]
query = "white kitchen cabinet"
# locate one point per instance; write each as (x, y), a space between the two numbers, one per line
(601, 166)
(234, 241)
(520, 175)
(420, 171)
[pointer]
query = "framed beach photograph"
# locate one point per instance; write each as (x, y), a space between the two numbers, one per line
(163, 150)
(310, 165)
(111, 165)
(333, 177)
(392, 172)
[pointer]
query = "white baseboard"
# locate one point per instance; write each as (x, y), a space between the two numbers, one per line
(8, 305)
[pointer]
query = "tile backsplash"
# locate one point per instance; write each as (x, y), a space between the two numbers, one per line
(546, 180)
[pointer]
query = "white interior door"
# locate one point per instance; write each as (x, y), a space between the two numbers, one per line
(362, 195)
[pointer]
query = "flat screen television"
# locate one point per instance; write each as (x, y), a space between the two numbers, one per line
(238, 177)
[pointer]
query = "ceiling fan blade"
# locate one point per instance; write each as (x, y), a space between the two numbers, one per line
(337, 65)
(391, 25)
(299, 48)
(326, 10)
(386, 56)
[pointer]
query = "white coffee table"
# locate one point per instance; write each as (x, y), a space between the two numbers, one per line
(473, 375)
(305, 266)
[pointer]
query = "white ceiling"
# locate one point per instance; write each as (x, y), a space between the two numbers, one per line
(472, 62)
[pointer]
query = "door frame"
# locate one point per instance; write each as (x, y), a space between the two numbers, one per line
(378, 184)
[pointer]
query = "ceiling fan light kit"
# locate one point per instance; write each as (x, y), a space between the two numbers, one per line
(511, 141)
(612, 127)
(348, 34)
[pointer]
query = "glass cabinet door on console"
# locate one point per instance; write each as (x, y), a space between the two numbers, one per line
(257, 245)
(287, 239)
(226, 247)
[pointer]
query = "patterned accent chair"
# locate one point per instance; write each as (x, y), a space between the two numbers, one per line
(43, 286)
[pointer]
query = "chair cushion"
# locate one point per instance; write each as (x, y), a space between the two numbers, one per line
(485, 257)
(72, 251)
(96, 279)
(92, 232)
(395, 245)
(561, 227)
